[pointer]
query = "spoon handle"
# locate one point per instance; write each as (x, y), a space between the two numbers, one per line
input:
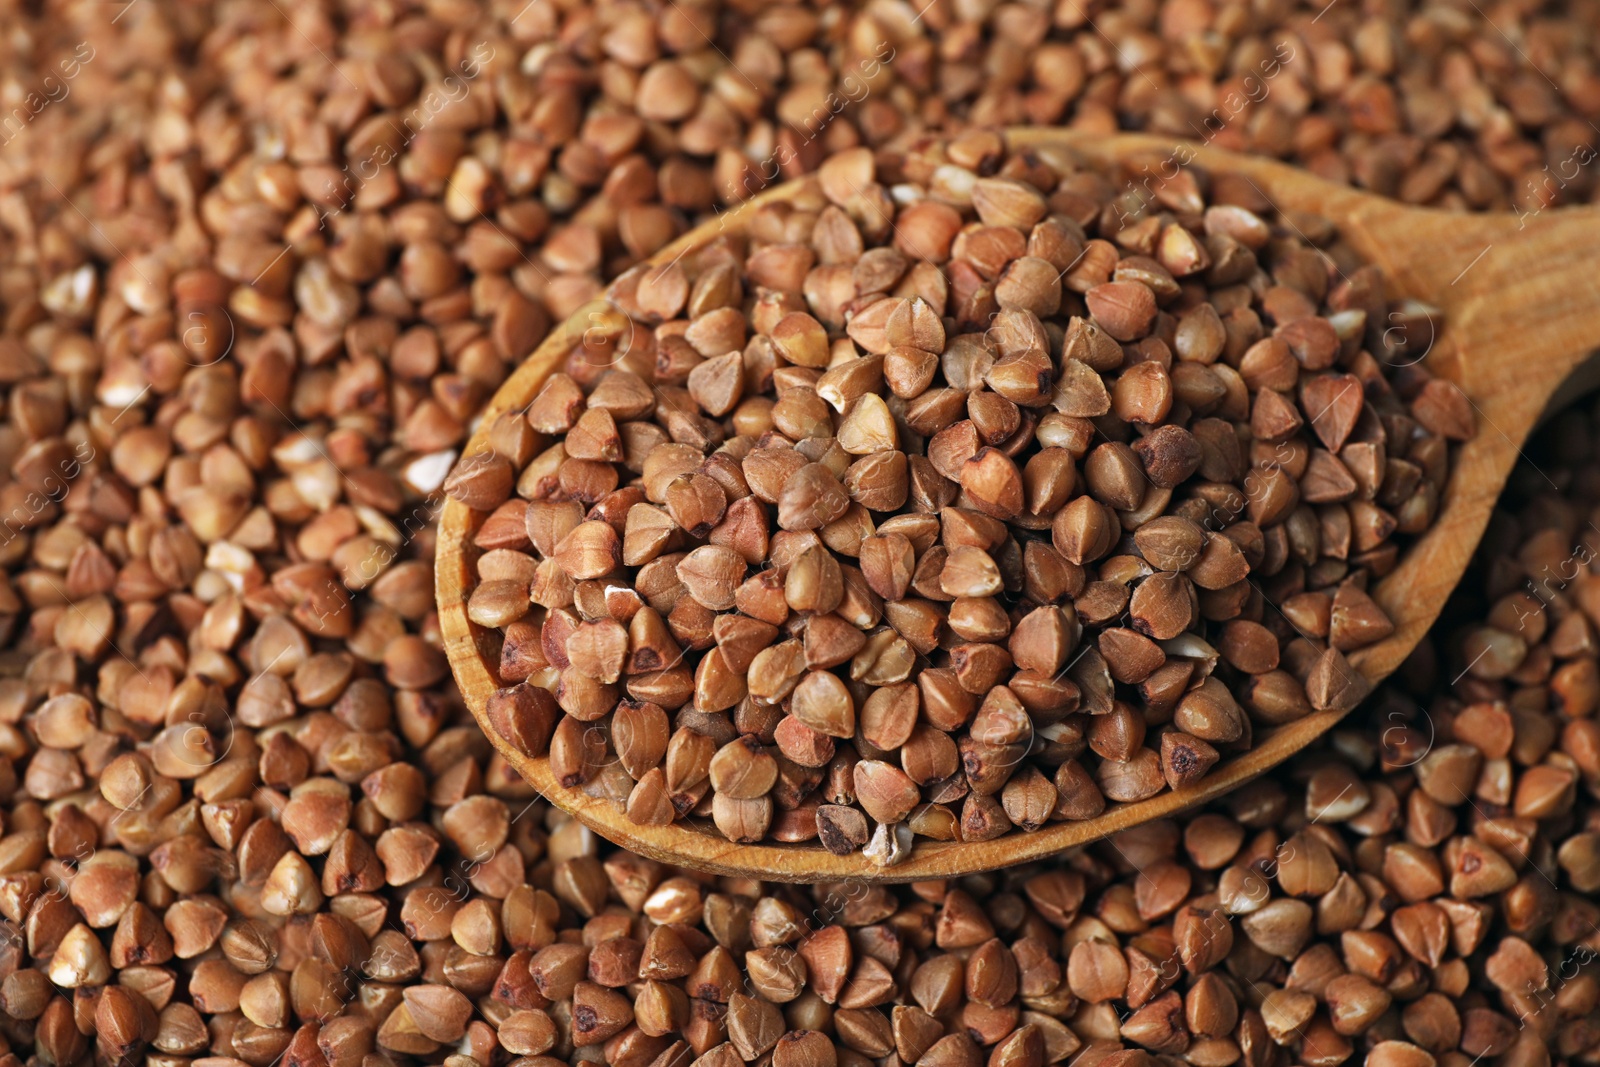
(1520, 296)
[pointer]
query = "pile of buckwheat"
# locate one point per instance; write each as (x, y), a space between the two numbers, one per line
(954, 500)
(261, 264)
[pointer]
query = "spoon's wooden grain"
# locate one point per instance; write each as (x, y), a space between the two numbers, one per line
(1521, 304)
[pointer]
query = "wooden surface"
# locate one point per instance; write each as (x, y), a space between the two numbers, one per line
(1521, 303)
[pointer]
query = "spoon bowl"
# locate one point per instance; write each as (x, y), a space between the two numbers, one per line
(1520, 303)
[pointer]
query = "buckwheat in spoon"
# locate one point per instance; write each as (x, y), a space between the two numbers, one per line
(959, 505)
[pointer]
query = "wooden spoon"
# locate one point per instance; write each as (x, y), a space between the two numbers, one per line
(1521, 304)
